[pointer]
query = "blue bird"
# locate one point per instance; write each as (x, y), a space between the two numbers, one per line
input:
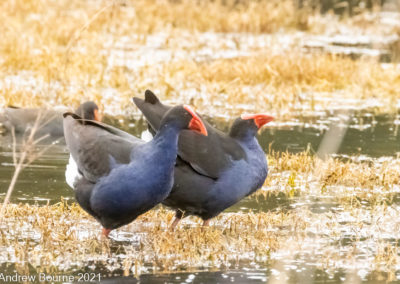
(212, 173)
(122, 176)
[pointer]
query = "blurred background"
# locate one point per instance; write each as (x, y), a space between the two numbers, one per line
(326, 70)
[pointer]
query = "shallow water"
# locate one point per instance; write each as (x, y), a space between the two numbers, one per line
(309, 275)
(371, 136)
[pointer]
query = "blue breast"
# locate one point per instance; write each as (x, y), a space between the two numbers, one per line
(132, 189)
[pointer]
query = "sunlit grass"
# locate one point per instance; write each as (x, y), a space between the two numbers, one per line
(62, 237)
(66, 234)
(348, 182)
(281, 84)
(286, 82)
(63, 52)
(336, 171)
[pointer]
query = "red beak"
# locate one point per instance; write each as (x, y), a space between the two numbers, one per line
(196, 124)
(259, 119)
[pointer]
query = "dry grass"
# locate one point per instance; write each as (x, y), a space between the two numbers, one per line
(62, 237)
(335, 171)
(353, 182)
(126, 17)
(63, 52)
(219, 16)
(282, 84)
(68, 238)
(56, 35)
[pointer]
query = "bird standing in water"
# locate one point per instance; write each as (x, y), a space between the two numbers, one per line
(123, 176)
(212, 173)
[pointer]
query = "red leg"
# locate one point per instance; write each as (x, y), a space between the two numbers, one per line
(173, 225)
(206, 222)
(105, 232)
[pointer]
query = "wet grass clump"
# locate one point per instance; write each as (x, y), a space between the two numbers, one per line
(355, 172)
(356, 181)
(62, 238)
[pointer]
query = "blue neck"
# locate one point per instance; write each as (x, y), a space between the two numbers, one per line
(250, 142)
(166, 140)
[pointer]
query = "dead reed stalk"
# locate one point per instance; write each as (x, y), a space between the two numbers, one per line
(27, 155)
